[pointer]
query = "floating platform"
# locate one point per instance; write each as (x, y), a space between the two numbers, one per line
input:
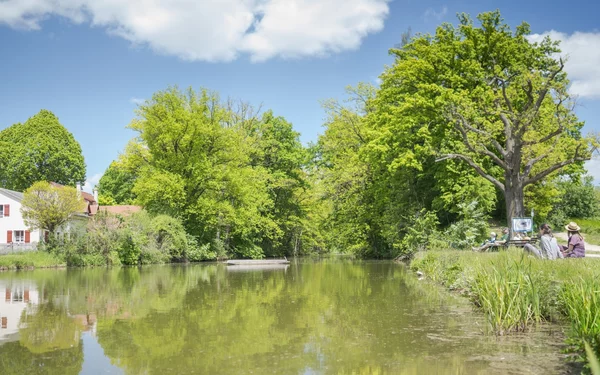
(257, 268)
(256, 262)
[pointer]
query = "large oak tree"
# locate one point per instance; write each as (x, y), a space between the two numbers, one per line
(486, 96)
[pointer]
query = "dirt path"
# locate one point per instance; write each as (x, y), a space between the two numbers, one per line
(591, 251)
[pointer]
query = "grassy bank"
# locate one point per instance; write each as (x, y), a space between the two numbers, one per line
(32, 259)
(515, 291)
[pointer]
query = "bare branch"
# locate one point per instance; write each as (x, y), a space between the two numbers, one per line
(506, 99)
(465, 125)
(556, 167)
(485, 150)
(546, 138)
(475, 166)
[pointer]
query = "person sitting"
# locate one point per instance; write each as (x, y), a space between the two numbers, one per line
(575, 246)
(548, 246)
(492, 242)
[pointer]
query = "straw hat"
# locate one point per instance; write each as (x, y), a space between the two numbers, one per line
(572, 227)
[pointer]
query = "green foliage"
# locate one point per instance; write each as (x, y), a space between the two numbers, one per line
(474, 95)
(470, 228)
(580, 299)
(171, 238)
(420, 231)
(35, 259)
(116, 185)
(140, 238)
(516, 291)
(578, 199)
(593, 362)
(49, 207)
(41, 149)
(225, 172)
(199, 253)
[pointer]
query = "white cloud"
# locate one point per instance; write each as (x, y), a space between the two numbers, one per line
(137, 101)
(583, 63)
(435, 15)
(89, 184)
(216, 30)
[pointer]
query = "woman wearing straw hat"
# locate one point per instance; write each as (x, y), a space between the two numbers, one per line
(576, 246)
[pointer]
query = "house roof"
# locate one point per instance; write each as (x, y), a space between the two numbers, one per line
(121, 210)
(86, 196)
(15, 195)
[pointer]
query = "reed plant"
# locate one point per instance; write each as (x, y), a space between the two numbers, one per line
(516, 291)
(580, 300)
(510, 292)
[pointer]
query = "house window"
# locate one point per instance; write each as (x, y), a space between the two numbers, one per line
(19, 236)
(1, 210)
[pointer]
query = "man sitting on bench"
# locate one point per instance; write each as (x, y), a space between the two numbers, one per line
(492, 242)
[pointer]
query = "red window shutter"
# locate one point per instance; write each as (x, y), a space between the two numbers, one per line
(7, 210)
(9, 236)
(27, 236)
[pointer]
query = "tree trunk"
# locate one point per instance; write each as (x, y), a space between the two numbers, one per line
(513, 195)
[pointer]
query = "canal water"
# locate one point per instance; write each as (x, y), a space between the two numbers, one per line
(333, 316)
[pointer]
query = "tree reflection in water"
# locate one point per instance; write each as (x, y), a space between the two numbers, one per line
(314, 317)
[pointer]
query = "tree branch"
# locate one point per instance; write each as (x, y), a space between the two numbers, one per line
(555, 167)
(475, 166)
(462, 126)
(546, 138)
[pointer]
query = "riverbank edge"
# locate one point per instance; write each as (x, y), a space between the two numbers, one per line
(30, 261)
(462, 272)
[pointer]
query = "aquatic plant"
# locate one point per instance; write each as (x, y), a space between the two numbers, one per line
(516, 291)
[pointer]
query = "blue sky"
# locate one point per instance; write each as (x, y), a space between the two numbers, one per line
(90, 61)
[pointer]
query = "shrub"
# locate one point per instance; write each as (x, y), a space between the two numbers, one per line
(470, 229)
(170, 236)
(197, 253)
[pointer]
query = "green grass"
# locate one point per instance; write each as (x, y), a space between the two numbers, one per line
(35, 259)
(516, 292)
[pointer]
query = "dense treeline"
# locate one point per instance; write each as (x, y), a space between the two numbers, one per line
(237, 179)
(471, 123)
(468, 124)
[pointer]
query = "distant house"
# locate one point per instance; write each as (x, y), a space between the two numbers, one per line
(15, 235)
(12, 227)
(91, 200)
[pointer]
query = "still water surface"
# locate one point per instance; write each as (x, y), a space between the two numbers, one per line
(313, 317)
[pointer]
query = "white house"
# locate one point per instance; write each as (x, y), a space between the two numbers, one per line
(14, 234)
(12, 227)
(15, 297)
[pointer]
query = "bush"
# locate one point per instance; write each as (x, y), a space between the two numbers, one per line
(170, 235)
(197, 253)
(470, 229)
(419, 231)
(129, 251)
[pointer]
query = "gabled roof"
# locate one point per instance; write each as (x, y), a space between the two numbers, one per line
(15, 195)
(121, 210)
(86, 196)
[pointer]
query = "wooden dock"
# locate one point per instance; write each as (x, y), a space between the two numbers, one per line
(256, 262)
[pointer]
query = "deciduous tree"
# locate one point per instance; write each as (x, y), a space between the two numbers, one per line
(48, 207)
(490, 98)
(41, 149)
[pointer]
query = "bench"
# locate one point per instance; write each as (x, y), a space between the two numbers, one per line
(521, 243)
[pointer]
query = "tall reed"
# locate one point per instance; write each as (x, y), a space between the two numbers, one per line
(580, 300)
(510, 293)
